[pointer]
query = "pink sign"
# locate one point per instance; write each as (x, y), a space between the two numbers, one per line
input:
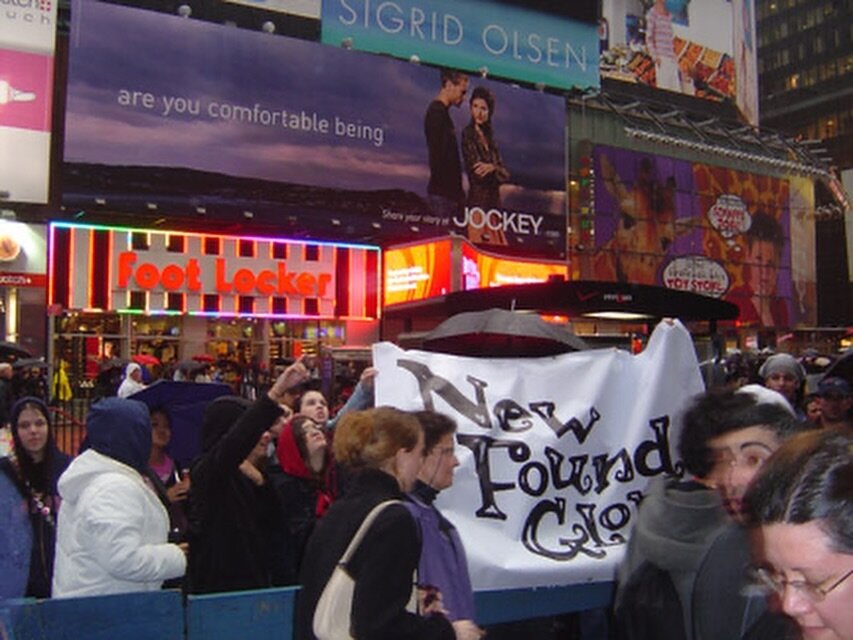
(25, 90)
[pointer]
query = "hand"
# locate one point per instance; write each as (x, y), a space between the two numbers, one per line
(179, 490)
(467, 630)
(289, 378)
(368, 377)
(429, 601)
(483, 168)
(185, 547)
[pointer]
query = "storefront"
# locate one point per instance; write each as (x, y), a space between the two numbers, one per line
(23, 283)
(118, 293)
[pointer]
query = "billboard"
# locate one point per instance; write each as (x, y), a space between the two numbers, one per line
(143, 271)
(435, 268)
(705, 49)
(508, 41)
(27, 37)
(705, 229)
(191, 118)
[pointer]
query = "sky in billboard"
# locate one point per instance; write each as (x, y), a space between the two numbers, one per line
(301, 129)
(696, 227)
(702, 48)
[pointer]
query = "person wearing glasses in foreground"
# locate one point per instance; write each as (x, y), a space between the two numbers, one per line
(801, 506)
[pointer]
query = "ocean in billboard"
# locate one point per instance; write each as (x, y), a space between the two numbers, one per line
(203, 119)
(698, 228)
(701, 48)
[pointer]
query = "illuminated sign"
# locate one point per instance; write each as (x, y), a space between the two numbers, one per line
(508, 41)
(428, 269)
(144, 271)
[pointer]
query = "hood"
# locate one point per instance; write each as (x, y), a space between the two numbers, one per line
(16, 411)
(84, 469)
(288, 454)
(674, 524)
(120, 428)
(219, 416)
(133, 366)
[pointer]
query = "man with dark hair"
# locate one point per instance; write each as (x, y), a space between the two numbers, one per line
(836, 403)
(443, 569)
(663, 592)
(756, 297)
(444, 190)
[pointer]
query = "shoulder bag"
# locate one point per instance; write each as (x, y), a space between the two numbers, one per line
(333, 614)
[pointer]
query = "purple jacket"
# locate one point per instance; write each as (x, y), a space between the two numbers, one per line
(443, 563)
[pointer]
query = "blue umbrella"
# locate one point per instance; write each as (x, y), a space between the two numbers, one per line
(184, 404)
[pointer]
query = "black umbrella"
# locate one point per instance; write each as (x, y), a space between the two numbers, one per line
(11, 351)
(498, 333)
(30, 363)
(842, 368)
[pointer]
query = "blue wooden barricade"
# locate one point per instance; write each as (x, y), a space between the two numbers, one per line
(156, 614)
(267, 613)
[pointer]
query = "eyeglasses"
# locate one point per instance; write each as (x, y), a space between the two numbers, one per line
(771, 581)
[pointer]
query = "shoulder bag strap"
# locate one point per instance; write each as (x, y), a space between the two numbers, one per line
(362, 530)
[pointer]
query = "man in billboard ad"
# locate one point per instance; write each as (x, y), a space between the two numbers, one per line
(307, 138)
(704, 49)
(694, 227)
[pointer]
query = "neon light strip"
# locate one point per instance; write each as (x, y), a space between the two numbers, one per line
(71, 269)
(50, 255)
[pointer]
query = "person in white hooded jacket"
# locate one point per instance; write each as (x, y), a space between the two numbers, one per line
(132, 381)
(112, 528)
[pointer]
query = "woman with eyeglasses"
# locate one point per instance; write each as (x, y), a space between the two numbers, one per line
(802, 504)
(34, 466)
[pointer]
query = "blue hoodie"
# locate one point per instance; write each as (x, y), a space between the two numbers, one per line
(121, 429)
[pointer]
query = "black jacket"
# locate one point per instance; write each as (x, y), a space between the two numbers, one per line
(383, 566)
(230, 517)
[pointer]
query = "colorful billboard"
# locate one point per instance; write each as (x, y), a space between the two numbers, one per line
(27, 37)
(705, 49)
(508, 41)
(144, 271)
(700, 228)
(185, 117)
(436, 268)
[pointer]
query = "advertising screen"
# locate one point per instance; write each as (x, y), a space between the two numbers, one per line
(27, 36)
(705, 49)
(417, 271)
(437, 268)
(191, 118)
(705, 229)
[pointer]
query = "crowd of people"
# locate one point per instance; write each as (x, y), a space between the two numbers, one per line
(754, 541)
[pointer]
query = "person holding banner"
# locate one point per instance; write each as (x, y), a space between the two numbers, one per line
(383, 448)
(443, 564)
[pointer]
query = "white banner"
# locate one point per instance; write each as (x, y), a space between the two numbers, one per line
(554, 452)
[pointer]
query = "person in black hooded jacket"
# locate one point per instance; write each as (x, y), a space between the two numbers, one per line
(231, 504)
